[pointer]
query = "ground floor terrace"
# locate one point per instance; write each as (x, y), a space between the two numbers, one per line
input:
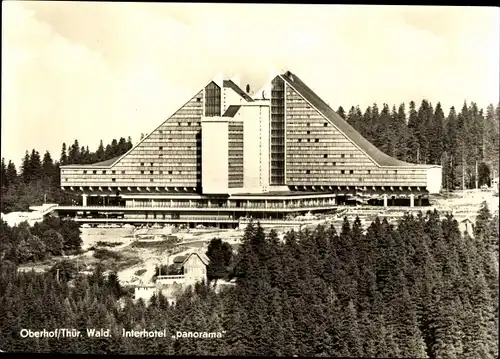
(282, 200)
(192, 209)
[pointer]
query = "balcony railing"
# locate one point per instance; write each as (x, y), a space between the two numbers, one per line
(164, 277)
(243, 206)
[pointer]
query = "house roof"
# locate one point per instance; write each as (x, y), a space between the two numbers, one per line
(309, 95)
(230, 84)
(106, 163)
(203, 257)
(179, 259)
(231, 111)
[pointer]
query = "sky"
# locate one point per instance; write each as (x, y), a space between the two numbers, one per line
(97, 71)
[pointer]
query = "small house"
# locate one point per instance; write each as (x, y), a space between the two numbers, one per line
(466, 225)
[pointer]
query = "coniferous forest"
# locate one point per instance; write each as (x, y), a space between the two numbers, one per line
(39, 178)
(420, 289)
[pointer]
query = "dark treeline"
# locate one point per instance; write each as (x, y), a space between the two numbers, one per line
(51, 237)
(421, 289)
(458, 141)
(38, 180)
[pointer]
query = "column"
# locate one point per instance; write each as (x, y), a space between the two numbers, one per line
(385, 201)
(284, 203)
(412, 200)
(152, 202)
(84, 200)
(265, 203)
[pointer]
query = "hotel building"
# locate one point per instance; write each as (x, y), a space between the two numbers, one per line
(225, 155)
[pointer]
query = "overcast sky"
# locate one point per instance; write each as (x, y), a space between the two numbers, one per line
(107, 70)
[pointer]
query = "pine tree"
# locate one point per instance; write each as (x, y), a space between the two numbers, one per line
(3, 174)
(100, 152)
(452, 152)
(64, 157)
(436, 135)
(421, 130)
(384, 136)
(26, 173)
(400, 128)
(413, 153)
(10, 174)
(341, 112)
(74, 155)
(48, 166)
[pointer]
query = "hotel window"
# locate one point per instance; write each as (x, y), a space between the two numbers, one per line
(94, 172)
(325, 124)
(351, 172)
(342, 171)
(189, 123)
(66, 179)
(84, 172)
(169, 172)
(160, 131)
(151, 172)
(161, 172)
(342, 156)
(103, 172)
(142, 163)
(308, 132)
(334, 163)
(352, 155)
(325, 156)
(300, 140)
(395, 172)
(142, 172)
(308, 124)
(316, 140)
(151, 163)
(308, 140)
(198, 99)
(151, 180)
(113, 172)
(113, 179)
(369, 171)
(308, 172)
(123, 172)
(161, 148)
(178, 123)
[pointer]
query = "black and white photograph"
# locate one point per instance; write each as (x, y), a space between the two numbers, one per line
(261, 179)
